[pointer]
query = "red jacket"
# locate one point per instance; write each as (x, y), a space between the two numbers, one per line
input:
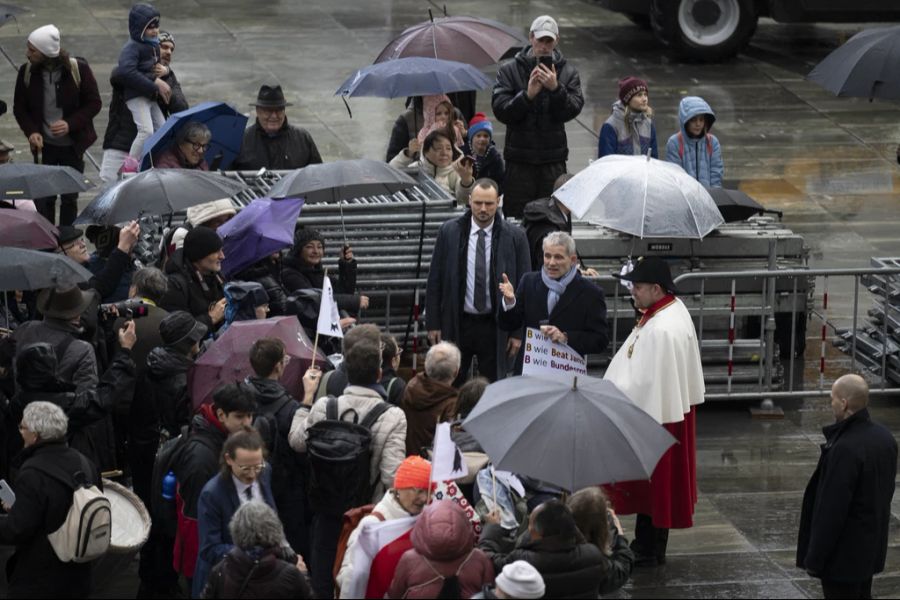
(443, 546)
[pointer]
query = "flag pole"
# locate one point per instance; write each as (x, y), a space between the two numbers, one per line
(494, 487)
(316, 343)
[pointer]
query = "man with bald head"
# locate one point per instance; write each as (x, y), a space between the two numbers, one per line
(847, 504)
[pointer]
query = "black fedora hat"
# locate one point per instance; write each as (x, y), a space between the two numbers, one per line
(67, 234)
(651, 269)
(63, 302)
(270, 97)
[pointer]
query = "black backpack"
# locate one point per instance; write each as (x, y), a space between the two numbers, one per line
(340, 453)
(163, 511)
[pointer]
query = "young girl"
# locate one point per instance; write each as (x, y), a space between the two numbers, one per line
(629, 129)
(694, 148)
(140, 74)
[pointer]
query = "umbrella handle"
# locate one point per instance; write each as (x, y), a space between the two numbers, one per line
(344, 98)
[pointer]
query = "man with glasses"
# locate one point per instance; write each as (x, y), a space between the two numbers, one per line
(273, 143)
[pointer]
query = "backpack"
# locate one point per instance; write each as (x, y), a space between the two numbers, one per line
(340, 453)
(709, 147)
(87, 531)
(349, 523)
(163, 511)
(73, 71)
(266, 423)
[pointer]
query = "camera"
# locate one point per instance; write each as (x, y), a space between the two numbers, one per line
(128, 309)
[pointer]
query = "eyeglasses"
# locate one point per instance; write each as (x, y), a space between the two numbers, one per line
(199, 147)
(251, 468)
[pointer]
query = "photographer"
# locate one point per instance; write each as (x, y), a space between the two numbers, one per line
(148, 288)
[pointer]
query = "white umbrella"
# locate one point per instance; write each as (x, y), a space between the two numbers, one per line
(641, 196)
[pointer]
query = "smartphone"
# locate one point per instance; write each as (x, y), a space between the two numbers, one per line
(547, 61)
(6, 494)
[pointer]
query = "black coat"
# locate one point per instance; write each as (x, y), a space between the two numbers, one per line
(108, 277)
(406, 127)
(147, 330)
(536, 129)
(580, 313)
(846, 510)
(297, 275)
(42, 504)
(291, 148)
(266, 275)
(490, 165)
(200, 460)
(120, 128)
(540, 218)
(266, 577)
(162, 401)
(190, 291)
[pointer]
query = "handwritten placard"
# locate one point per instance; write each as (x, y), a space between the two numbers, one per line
(544, 356)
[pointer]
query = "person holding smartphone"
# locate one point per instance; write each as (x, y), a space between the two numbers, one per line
(536, 93)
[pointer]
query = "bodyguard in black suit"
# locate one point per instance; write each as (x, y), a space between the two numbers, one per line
(571, 309)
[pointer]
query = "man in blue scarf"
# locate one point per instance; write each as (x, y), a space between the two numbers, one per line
(566, 307)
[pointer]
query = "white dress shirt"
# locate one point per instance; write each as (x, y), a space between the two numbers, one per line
(469, 305)
(241, 488)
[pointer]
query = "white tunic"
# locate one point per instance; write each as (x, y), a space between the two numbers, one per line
(664, 375)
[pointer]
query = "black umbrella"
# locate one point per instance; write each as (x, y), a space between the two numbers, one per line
(157, 192)
(23, 269)
(26, 180)
(867, 66)
(735, 205)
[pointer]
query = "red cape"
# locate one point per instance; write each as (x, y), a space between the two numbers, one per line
(384, 565)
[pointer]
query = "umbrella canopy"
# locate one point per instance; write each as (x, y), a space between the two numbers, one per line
(413, 76)
(571, 432)
(26, 229)
(157, 192)
(641, 196)
(28, 180)
(867, 66)
(263, 227)
(9, 12)
(471, 40)
(23, 269)
(342, 180)
(224, 121)
(735, 205)
(228, 358)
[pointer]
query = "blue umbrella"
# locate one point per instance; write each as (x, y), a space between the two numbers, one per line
(224, 121)
(413, 76)
(263, 227)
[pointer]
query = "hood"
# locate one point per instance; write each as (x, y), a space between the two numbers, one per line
(36, 367)
(541, 210)
(175, 264)
(443, 532)
(164, 362)
(206, 420)
(138, 19)
(424, 393)
(693, 106)
(525, 57)
(261, 561)
(201, 213)
(268, 391)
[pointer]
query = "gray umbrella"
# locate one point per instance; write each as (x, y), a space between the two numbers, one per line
(23, 269)
(867, 66)
(571, 431)
(27, 181)
(342, 180)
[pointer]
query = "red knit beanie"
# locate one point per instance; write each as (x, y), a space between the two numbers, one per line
(414, 472)
(630, 86)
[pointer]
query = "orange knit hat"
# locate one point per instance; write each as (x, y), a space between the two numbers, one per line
(414, 472)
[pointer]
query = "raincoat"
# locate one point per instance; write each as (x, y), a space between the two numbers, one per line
(700, 157)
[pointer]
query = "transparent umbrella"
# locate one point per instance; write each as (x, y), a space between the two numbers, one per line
(641, 196)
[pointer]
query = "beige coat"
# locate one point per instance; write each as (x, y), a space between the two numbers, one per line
(445, 176)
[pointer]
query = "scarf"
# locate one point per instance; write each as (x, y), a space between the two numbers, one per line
(556, 287)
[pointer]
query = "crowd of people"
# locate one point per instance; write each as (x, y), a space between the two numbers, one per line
(259, 493)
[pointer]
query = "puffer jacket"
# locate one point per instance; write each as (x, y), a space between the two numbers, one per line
(426, 402)
(267, 274)
(163, 400)
(443, 546)
(137, 58)
(542, 216)
(700, 157)
(256, 573)
(190, 291)
(616, 138)
(388, 432)
(446, 177)
(490, 165)
(536, 129)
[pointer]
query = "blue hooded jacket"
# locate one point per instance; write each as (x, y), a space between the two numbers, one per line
(700, 157)
(137, 58)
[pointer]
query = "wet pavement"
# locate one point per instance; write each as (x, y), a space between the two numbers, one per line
(829, 163)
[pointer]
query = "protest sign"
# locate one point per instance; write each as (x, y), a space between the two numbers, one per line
(543, 356)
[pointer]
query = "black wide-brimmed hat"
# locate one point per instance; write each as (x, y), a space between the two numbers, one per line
(67, 234)
(270, 97)
(651, 269)
(63, 302)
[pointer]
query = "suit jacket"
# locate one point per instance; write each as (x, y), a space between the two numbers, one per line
(580, 313)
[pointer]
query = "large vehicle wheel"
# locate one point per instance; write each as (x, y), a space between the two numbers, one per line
(707, 30)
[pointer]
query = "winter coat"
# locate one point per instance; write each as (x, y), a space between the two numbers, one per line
(110, 274)
(80, 103)
(542, 216)
(256, 573)
(490, 165)
(163, 400)
(291, 148)
(120, 128)
(199, 463)
(405, 128)
(138, 57)
(393, 384)
(616, 138)
(446, 177)
(77, 365)
(172, 158)
(147, 331)
(186, 289)
(217, 504)
(443, 546)
(570, 568)
(446, 288)
(700, 157)
(846, 512)
(618, 565)
(426, 402)
(388, 432)
(42, 504)
(297, 275)
(266, 274)
(536, 129)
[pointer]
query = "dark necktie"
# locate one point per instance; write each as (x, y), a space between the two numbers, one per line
(248, 492)
(480, 273)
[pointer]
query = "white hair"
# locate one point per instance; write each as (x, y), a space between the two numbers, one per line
(46, 420)
(256, 524)
(442, 361)
(560, 238)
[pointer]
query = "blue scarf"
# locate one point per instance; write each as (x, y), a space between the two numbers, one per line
(556, 287)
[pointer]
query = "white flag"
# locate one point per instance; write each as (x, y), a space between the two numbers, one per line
(448, 462)
(329, 319)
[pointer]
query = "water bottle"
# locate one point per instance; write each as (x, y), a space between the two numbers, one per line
(168, 486)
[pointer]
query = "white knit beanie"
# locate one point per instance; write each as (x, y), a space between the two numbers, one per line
(520, 579)
(46, 40)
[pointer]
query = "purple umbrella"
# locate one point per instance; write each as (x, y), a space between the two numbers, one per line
(263, 227)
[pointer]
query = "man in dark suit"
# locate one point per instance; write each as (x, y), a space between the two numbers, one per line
(846, 511)
(461, 300)
(558, 300)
